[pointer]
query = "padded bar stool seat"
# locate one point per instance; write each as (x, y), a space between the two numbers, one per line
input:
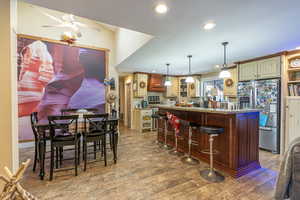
(189, 159)
(210, 174)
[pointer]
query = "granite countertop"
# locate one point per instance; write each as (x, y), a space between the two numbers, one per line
(209, 110)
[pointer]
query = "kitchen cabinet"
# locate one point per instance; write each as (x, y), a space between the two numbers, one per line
(156, 83)
(268, 68)
(183, 88)
(292, 120)
(261, 69)
(172, 91)
(143, 120)
(247, 71)
(194, 88)
(230, 86)
(140, 85)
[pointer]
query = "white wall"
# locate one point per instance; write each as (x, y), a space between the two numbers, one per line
(127, 42)
(8, 106)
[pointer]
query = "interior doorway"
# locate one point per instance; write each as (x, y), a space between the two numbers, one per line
(128, 104)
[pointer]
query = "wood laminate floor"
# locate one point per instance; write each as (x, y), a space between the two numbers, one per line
(144, 172)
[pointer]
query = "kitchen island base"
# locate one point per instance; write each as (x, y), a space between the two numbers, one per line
(237, 147)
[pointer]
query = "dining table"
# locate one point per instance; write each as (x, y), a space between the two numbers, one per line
(43, 131)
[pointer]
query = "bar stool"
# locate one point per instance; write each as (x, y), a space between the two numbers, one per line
(189, 159)
(165, 118)
(156, 117)
(175, 151)
(210, 174)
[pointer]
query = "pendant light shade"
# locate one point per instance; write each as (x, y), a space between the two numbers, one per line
(224, 71)
(167, 81)
(189, 79)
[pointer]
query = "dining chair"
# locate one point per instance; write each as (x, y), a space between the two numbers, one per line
(113, 132)
(95, 131)
(34, 121)
(64, 132)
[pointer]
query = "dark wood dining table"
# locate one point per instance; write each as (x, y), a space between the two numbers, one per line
(43, 131)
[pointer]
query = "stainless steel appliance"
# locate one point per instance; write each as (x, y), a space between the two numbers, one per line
(265, 95)
(154, 122)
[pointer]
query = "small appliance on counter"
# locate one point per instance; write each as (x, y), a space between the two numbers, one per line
(144, 104)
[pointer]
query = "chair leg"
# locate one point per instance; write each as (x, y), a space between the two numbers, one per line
(79, 146)
(35, 156)
(61, 149)
(85, 153)
(56, 152)
(95, 150)
(111, 141)
(76, 157)
(51, 162)
(104, 148)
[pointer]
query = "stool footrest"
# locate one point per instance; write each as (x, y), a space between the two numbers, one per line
(206, 151)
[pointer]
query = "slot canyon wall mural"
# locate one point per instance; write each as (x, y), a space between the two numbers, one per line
(54, 76)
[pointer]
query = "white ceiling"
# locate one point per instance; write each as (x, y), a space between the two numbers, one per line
(252, 28)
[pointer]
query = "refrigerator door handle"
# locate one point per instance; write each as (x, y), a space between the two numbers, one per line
(265, 128)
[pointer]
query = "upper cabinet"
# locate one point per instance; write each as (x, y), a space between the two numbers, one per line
(247, 71)
(262, 69)
(230, 84)
(173, 90)
(156, 83)
(194, 88)
(140, 85)
(268, 68)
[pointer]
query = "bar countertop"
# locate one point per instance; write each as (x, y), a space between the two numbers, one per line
(208, 110)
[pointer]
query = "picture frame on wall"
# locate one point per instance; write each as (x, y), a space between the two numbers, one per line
(53, 75)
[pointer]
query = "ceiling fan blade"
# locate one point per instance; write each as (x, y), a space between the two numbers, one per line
(55, 26)
(48, 15)
(87, 26)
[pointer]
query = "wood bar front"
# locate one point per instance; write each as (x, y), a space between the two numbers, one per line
(237, 147)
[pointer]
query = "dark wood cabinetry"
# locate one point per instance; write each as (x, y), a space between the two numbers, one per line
(156, 83)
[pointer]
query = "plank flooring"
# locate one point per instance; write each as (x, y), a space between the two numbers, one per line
(144, 171)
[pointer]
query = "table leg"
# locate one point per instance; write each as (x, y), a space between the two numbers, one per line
(114, 141)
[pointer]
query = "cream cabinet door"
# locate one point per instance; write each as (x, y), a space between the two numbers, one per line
(268, 68)
(247, 71)
(172, 91)
(194, 88)
(292, 120)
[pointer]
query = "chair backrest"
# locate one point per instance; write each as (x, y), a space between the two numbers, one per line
(95, 123)
(34, 121)
(65, 124)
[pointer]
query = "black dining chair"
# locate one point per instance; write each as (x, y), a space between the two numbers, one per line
(34, 121)
(64, 132)
(113, 132)
(95, 131)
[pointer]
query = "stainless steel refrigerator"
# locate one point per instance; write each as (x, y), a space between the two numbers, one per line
(265, 95)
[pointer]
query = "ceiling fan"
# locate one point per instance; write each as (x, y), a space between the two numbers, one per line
(68, 21)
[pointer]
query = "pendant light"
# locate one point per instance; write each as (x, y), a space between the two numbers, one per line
(224, 71)
(189, 79)
(167, 81)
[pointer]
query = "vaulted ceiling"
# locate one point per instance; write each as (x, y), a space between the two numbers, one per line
(252, 28)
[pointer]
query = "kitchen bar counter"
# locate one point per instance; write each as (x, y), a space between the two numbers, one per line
(208, 110)
(237, 146)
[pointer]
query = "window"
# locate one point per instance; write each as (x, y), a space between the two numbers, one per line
(213, 86)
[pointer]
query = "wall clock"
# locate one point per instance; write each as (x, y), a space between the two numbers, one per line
(229, 82)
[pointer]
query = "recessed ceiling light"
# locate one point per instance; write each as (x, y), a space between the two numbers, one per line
(161, 8)
(209, 25)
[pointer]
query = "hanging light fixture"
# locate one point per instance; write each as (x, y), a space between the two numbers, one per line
(189, 79)
(167, 81)
(224, 71)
